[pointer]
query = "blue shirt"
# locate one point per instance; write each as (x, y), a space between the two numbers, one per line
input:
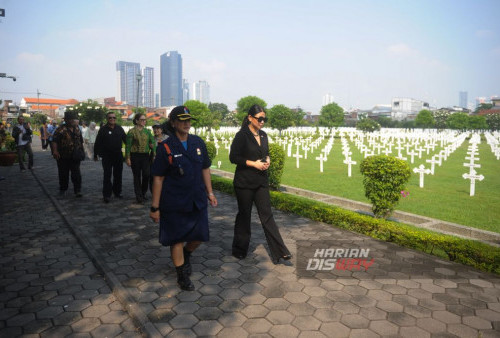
(183, 186)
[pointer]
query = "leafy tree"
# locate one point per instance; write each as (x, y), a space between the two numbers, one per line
(219, 109)
(425, 119)
(386, 122)
(244, 104)
(367, 125)
(384, 179)
(441, 117)
(477, 122)
(298, 116)
(331, 115)
(280, 117)
(230, 120)
(458, 121)
(39, 119)
(90, 111)
(483, 106)
(493, 121)
(203, 116)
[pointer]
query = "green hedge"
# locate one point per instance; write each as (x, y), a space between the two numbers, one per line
(469, 252)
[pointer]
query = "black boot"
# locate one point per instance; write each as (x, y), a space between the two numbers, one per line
(187, 263)
(183, 279)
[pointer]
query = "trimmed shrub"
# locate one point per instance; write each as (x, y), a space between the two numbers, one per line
(384, 179)
(277, 156)
(473, 253)
(211, 150)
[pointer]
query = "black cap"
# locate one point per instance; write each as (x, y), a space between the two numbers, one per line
(180, 113)
(70, 115)
(156, 126)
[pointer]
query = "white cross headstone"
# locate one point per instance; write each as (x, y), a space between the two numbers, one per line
(421, 170)
(472, 176)
(349, 162)
(219, 164)
(289, 150)
(297, 156)
(321, 159)
(412, 155)
(471, 166)
(433, 162)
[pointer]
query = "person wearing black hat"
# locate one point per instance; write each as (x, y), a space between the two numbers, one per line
(68, 151)
(182, 189)
(250, 153)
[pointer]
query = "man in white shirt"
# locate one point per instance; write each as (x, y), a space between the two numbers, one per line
(22, 134)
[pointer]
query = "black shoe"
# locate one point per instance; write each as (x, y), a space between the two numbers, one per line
(239, 256)
(183, 279)
(284, 257)
(187, 262)
(78, 194)
(106, 199)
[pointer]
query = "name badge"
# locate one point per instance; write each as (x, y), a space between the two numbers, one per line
(177, 155)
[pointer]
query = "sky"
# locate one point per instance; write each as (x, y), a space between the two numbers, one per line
(289, 52)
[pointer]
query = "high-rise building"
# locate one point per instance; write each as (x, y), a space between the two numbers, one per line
(171, 79)
(201, 92)
(185, 90)
(327, 99)
(462, 99)
(128, 86)
(149, 86)
(157, 100)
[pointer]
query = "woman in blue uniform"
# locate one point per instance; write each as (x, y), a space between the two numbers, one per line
(182, 189)
(250, 153)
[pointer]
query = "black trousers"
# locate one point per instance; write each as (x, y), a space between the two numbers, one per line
(141, 171)
(65, 166)
(242, 229)
(20, 154)
(113, 166)
(45, 143)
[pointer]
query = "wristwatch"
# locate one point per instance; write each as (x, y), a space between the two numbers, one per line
(153, 209)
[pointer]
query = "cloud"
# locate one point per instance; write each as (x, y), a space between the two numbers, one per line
(401, 49)
(31, 58)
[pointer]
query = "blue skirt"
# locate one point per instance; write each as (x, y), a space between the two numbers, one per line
(179, 227)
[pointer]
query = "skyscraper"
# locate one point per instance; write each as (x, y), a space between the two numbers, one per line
(127, 82)
(201, 92)
(149, 86)
(185, 90)
(327, 99)
(462, 99)
(171, 79)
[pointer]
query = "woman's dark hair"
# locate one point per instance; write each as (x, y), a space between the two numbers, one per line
(136, 118)
(254, 110)
(168, 128)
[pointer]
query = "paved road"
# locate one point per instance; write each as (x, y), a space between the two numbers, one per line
(72, 266)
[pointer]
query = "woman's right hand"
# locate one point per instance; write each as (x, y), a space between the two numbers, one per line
(155, 216)
(259, 165)
(128, 162)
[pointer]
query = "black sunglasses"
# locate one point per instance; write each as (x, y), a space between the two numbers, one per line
(261, 119)
(112, 118)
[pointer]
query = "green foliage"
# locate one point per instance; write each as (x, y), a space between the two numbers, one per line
(472, 253)
(8, 143)
(384, 179)
(277, 158)
(219, 110)
(386, 122)
(331, 115)
(230, 120)
(477, 122)
(458, 121)
(39, 119)
(440, 117)
(298, 116)
(425, 119)
(200, 111)
(244, 104)
(90, 111)
(280, 117)
(493, 121)
(367, 125)
(211, 150)
(483, 106)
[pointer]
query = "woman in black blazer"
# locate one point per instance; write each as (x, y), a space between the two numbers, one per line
(250, 153)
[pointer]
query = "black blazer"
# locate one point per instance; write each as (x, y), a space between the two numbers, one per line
(243, 148)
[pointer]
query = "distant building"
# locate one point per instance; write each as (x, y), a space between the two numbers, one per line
(495, 101)
(185, 91)
(128, 85)
(49, 107)
(381, 110)
(462, 99)
(157, 100)
(327, 99)
(406, 108)
(148, 80)
(171, 79)
(201, 92)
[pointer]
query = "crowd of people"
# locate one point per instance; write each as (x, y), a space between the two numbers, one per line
(174, 165)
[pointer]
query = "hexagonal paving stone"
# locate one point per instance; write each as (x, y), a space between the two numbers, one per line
(417, 311)
(414, 332)
(284, 331)
(255, 311)
(276, 304)
(383, 327)
(207, 328)
(327, 315)
(95, 311)
(232, 332)
(401, 319)
(354, 321)
(389, 306)
(431, 325)
(257, 325)
(346, 307)
(107, 330)
(232, 319)
(85, 325)
(302, 309)
(306, 323)
(476, 322)
(183, 321)
(335, 329)
(280, 317)
(321, 302)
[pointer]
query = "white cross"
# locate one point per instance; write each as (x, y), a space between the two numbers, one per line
(349, 162)
(297, 156)
(473, 177)
(412, 155)
(219, 164)
(433, 162)
(321, 159)
(421, 170)
(387, 152)
(471, 166)
(306, 149)
(289, 150)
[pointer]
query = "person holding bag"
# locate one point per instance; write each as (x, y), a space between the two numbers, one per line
(182, 189)
(250, 153)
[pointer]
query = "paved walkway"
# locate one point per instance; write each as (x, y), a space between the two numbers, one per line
(71, 266)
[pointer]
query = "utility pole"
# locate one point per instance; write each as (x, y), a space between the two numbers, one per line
(38, 94)
(139, 78)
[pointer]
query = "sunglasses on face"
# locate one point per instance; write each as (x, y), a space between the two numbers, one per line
(112, 118)
(261, 119)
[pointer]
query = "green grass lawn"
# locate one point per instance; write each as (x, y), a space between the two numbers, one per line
(445, 195)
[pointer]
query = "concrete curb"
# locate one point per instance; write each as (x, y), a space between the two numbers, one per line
(138, 316)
